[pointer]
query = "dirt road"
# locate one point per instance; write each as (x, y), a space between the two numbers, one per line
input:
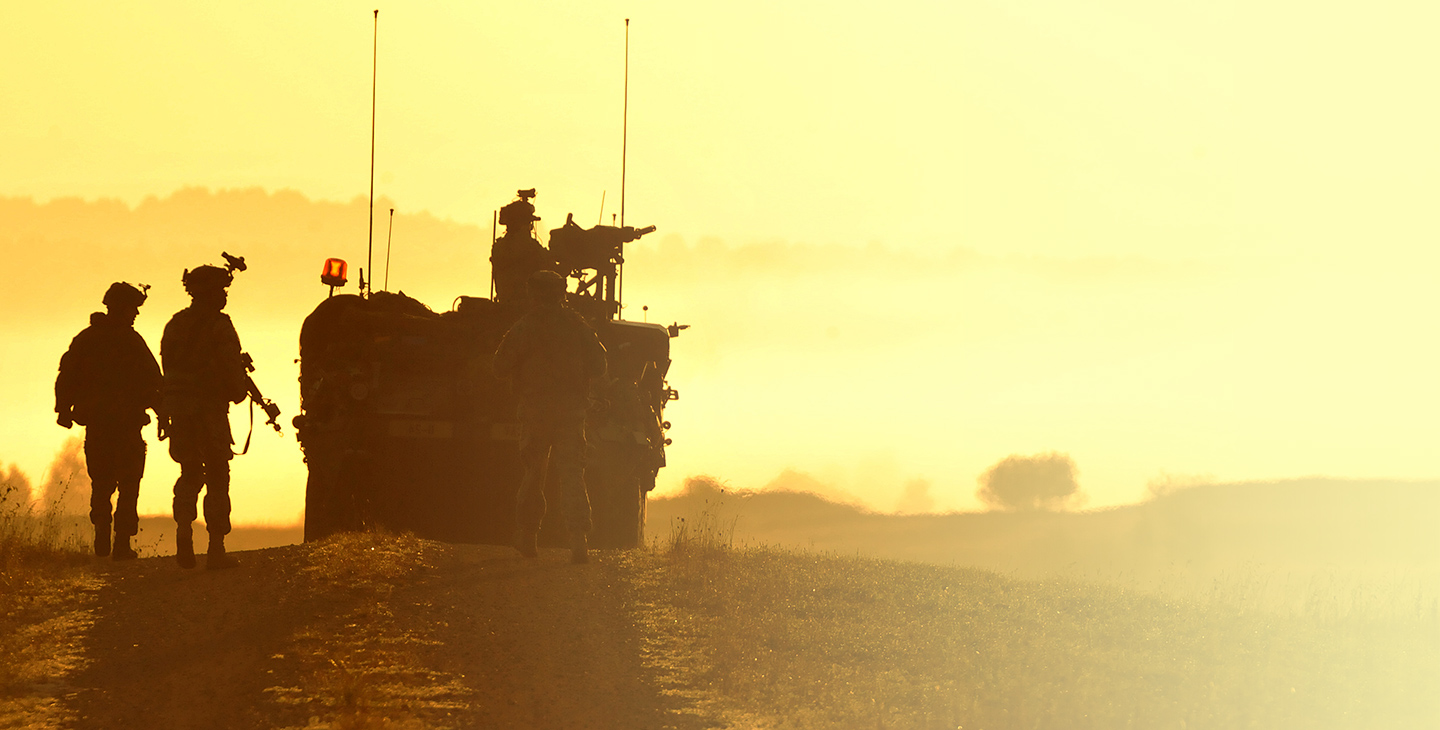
(375, 632)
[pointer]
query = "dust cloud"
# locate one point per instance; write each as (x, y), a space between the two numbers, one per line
(15, 486)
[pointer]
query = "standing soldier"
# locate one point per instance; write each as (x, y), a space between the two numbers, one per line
(108, 379)
(550, 356)
(204, 374)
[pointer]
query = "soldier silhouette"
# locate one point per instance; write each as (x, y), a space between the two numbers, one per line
(108, 379)
(204, 374)
(550, 356)
(516, 255)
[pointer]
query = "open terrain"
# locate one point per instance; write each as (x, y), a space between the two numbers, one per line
(1298, 537)
(383, 631)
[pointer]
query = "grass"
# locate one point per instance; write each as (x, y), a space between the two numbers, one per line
(360, 669)
(43, 607)
(32, 541)
(803, 640)
(706, 533)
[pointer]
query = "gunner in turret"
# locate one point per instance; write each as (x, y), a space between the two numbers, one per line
(517, 254)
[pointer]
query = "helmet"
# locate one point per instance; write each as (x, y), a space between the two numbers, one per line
(518, 213)
(546, 285)
(205, 278)
(121, 294)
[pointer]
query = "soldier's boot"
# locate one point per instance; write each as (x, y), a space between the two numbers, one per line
(216, 558)
(102, 539)
(123, 550)
(184, 546)
(526, 543)
(579, 549)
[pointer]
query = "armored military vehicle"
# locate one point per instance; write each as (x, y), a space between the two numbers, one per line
(404, 426)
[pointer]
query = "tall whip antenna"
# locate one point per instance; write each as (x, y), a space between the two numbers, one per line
(374, 66)
(624, 123)
(388, 236)
(624, 156)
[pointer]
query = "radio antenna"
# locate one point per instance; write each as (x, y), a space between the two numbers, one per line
(624, 123)
(374, 66)
(388, 236)
(624, 156)
(602, 208)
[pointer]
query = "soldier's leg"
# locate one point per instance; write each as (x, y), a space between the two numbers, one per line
(568, 460)
(217, 489)
(187, 491)
(130, 468)
(185, 451)
(535, 439)
(217, 513)
(217, 497)
(100, 458)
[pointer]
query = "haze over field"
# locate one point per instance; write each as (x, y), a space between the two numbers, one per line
(1163, 241)
(1049, 364)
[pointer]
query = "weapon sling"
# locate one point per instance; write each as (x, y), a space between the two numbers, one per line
(249, 433)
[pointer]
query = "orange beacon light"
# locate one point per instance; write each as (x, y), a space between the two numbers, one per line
(333, 273)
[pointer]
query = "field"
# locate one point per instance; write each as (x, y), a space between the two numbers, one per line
(385, 631)
(805, 640)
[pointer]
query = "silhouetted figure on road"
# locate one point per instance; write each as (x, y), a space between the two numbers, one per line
(517, 254)
(108, 379)
(550, 356)
(204, 374)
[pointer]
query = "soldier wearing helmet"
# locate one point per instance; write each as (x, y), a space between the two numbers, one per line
(517, 254)
(551, 356)
(204, 374)
(108, 379)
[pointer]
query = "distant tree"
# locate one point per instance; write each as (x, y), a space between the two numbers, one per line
(1030, 483)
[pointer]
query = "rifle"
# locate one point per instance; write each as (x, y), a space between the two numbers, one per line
(232, 265)
(252, 390)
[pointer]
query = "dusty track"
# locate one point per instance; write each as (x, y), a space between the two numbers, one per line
(455, 636)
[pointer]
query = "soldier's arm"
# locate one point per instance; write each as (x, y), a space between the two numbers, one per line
(168, 340)
(150, 377)
(64, 398)
(67, 381)
(230, 361)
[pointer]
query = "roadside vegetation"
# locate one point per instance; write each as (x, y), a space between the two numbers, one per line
(804, 640)
(34, 537)
(44, 602)
(36, 544)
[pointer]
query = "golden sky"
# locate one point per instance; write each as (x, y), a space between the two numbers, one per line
(1163, 238)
